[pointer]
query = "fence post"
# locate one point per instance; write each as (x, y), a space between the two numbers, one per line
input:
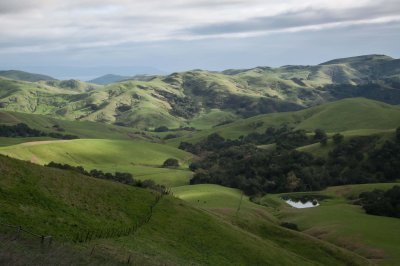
(19, 230)
(129, 259)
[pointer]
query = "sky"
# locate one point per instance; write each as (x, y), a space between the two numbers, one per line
(88, 38)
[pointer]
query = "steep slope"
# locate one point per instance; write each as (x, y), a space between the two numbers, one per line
(25, 76)
(62, 204)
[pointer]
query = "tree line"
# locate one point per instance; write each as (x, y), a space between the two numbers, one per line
(383, 203)
(23, 130)
(120, 177)
(241, 164)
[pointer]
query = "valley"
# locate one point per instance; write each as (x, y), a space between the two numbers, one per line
(237, 143)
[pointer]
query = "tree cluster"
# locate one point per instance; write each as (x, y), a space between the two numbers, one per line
(23, 130)
(241, 164)
(383, 203)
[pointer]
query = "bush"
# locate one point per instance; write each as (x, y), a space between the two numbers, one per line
(171, 163)
(291, 226)
(337, 138)
(161, 129)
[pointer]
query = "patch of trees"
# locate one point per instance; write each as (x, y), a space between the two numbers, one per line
(184, 107)
(23, 130)
(120, 177)
(383, 203)
(387, 91)
(240, 164)
(284, 137)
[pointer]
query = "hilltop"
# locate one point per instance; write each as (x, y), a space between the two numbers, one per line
(25, 76)
(108, 79)
(203, 99)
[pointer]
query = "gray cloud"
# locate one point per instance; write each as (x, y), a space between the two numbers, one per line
(300, 18)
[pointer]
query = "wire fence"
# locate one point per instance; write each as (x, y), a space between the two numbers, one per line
(18, 231)
(45, 242)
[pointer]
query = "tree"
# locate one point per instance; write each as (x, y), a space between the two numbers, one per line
(337, 138)
(319, 134)
(171, 163)
(161, 129)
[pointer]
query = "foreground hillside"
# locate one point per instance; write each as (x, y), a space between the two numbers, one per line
(62, 204)
(142, 159)
(203, 99)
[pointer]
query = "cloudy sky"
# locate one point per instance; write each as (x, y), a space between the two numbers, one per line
(86, 38)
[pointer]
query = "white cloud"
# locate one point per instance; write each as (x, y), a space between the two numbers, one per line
(56, 25)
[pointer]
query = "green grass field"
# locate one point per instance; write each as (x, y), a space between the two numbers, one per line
(59, 203)
(344, 224)
(142, 159)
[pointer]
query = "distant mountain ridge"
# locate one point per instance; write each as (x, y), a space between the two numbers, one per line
(25, 76)
(108, 79)
(203, 99)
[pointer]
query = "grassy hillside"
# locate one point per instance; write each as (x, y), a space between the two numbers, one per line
(356, 116)
(204, 99)
(25, 76)
(142, 159)
(83, 129)
(338, 221)
(58, 203)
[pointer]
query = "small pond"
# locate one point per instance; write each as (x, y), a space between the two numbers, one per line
(301, 202)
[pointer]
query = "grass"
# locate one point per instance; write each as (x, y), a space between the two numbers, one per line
(83, 129)
(142, 159)
(355, 116)
(4, 141)
(344, 224)
(232, 206)
(55, 202)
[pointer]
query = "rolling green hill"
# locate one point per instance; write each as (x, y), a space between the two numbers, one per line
(339, 221)
(25, 76)
(61, 203)
(142, 159)
(356, 116)
(203, 99)
(82, 129)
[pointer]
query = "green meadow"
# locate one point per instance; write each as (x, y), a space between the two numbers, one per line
(143, 159)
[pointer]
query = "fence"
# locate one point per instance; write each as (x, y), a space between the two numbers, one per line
(88, 235)
(19, 230)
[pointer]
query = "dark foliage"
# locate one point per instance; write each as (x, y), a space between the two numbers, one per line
(23, 130)
(161, 129)
(171, 163)
(284, 137)
(124, 178)
(387, 91)
(240, 164)
(384, 203)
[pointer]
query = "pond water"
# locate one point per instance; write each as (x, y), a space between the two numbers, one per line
(301, 204)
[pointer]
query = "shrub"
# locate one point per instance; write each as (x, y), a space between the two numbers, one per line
(171, 163)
